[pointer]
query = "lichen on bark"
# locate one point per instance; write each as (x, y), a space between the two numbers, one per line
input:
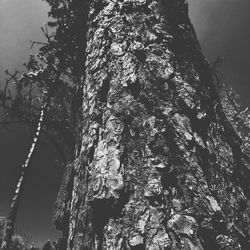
(158, 166)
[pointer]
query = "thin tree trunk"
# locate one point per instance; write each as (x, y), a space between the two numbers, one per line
(11, 220)
(159, 166)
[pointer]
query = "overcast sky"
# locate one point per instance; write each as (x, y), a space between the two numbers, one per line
(222, 27)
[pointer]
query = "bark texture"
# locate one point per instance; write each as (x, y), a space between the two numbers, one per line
(159, 166)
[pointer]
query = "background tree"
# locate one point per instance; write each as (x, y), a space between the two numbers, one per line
(47, 94)
(11, 220)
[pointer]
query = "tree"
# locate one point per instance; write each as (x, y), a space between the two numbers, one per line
(11, 220)
(159, 165)
(52, 72)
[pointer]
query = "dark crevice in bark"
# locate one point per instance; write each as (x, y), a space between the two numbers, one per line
(205, 160)
(101, 214)
(140, 55)
(219, 224)
(97, 7)
(122, 201)
(130, 8)
(91, 152)
(208, 239)
(145, 100)
(104, 90)
(138, 247)
(155, 201)
(201, 125)
(126, 192)
(134, 88)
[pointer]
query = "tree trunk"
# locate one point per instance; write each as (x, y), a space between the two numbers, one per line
(159, 166)
(12, 216)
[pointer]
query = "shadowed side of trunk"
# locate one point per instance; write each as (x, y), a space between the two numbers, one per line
(159, 166)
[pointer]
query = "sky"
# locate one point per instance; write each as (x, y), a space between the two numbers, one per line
(222, 28)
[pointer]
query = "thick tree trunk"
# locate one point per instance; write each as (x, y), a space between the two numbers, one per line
(159, 165)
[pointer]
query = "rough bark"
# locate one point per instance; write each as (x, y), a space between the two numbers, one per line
(159, 166)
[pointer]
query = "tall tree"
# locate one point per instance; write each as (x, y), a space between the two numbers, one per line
(12, 216)
(158, 165)
(50, 86)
